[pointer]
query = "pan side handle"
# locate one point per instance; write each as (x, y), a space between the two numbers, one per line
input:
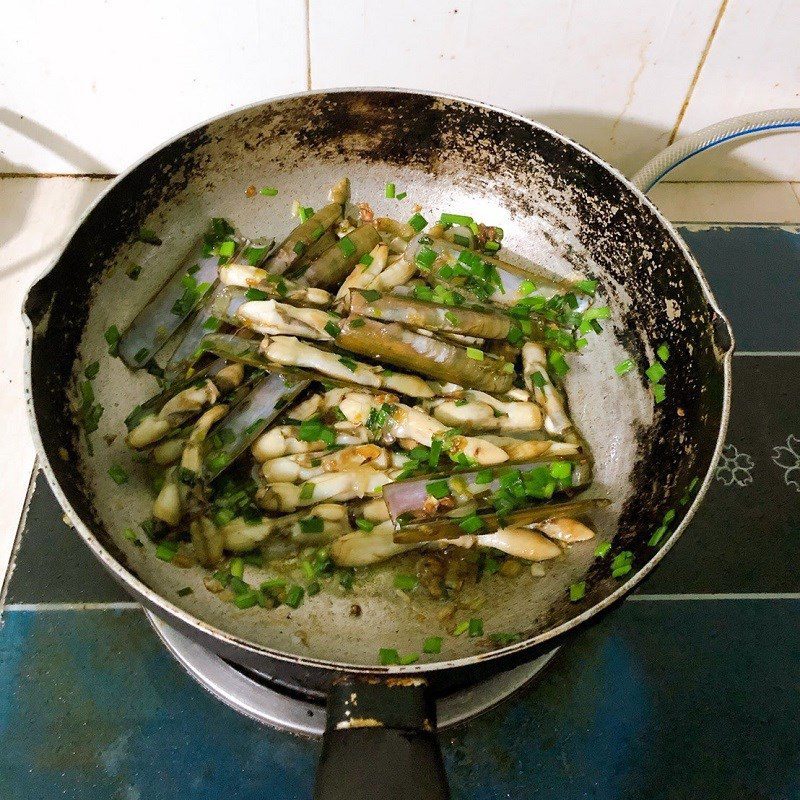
(381, 741)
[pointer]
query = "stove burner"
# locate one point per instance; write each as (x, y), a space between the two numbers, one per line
(256, 696)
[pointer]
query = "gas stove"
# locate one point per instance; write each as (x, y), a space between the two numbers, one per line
(689, 689)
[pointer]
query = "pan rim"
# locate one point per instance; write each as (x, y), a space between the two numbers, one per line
(168, 610)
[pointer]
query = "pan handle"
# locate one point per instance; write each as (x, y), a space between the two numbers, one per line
(380, 741)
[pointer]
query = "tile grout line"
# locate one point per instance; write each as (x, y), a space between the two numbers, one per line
(307, 6)
(658, 598)
(696, 77)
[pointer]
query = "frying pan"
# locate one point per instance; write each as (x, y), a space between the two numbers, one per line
(561, 207)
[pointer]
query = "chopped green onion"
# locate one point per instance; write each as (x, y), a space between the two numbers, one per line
(256, 294)
(166, 550)
(405, 582)
(312, 525)
(471, 524)
(349, 363)
(601, 551)
(237, 567)
(294, 596)
(148, 236)
(475, 627)
(669, 516)
(346, 246)
(438, 489)
(663, 352)
(463, 241)
(557, 363)
(365, 524)
(227, 248)
(313, 588)
(484, 476)
(462, 627)
(451, 317)
(456, 219)
(307, 491)
(212, 324)
(366, 260)
(246, 600)
(561, 470)
(112, 338)
(658, 535)
(268, 191)
(91, 371)
(418, 222)
(346, 577)
(504, 639)
(305, 213)
(659, 392)
(332, 329)
(577, 591)
(357, 322)
(526, 287)
(401, 196)
(389, 191)
(131, 536)
(118, 475)
(538, 380)
(433, 644)
(624, 367)
(388, 656)
(603, 312)
(587, 287)
(187, 590)
(474, 354)
(655, 372)
(425, 258)
(141, 355)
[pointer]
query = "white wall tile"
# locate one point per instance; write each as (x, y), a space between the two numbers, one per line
(91, 86)
(35, 216)
(753, 64)
(612, 75)
(728, 201)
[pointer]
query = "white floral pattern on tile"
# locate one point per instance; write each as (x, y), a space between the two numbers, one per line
(788, 459)
(734, 467)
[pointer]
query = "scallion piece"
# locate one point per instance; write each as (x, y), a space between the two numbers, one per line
(471, 524)
(601, 551)
(456, 219)
(307, 491)
(526, 287)
(268, 191)
(538, 380)
(389, 191)
(484, 476)
(365, 525)
(557, 363)
(418, 222)
(474, 354)
(349, 363)
(577, 591)
(117, 474)
(256, 294)
(401, 196)
(166, 550)
(475, 627)
(425, 258)
(305, 213)
(312, 525)
(663, 352)
(366, 260)
(655, 372)
(346, 246)
(433, 645)
(438, 489)
(624, 367)
(405, 582)
(332, 329)
(659, 392)
(388, 656)
(185, 592)
(587, 287)
(658, 535)
(294, 596)
(462, 627)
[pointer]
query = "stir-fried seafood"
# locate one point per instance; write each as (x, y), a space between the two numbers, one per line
(364, 389)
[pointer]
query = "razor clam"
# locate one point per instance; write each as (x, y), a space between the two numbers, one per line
(249, 418)
(337, 261)
(219, 306)
(275, 287)
(448, 528)
(169, 307)
(413, 496)
(431, 316)
(428, 355)
(304, 236)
